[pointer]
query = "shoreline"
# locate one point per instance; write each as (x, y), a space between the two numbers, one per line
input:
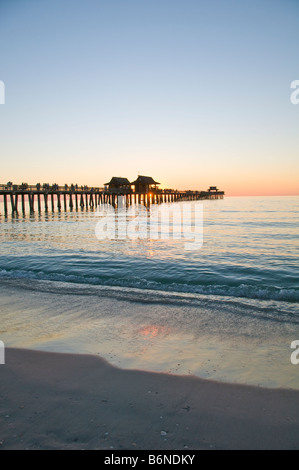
(75, 401)
(223, 341)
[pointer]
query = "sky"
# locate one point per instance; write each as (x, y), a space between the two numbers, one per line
(191, 92)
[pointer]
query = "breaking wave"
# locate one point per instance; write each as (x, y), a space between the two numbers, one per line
(241, 290)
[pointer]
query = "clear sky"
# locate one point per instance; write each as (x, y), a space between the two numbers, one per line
(192, 92)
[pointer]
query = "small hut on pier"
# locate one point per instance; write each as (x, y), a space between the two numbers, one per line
(118, 184)
(145, 184)
(213, 189)
(214, 193)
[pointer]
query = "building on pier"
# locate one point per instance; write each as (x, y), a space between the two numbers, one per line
(213, 189)
(145, 184)
(120, 185)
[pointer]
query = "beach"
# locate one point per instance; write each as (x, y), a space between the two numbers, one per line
(69, 401)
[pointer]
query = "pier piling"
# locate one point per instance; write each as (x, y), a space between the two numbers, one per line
(46, 201)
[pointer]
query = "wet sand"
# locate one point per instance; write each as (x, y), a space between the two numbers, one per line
(66, 401)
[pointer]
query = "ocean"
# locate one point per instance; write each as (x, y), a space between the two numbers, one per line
(224, 308)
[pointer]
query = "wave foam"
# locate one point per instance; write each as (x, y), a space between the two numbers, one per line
(247, 291)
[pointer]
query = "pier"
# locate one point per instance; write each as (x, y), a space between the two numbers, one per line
(17, 197)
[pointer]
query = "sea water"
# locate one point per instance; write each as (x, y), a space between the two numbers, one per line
(226, 310)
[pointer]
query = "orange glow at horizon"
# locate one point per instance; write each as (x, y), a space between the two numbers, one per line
(235, 181)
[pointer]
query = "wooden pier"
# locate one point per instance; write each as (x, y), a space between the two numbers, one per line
(75, 198)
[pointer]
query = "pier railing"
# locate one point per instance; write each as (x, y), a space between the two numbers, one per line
(48, 187)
